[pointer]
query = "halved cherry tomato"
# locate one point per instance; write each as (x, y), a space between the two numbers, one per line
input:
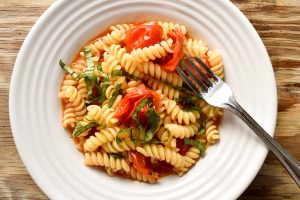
(177, 53)
(131, 100)
(143, 35)
(140, 162)
(183, 148)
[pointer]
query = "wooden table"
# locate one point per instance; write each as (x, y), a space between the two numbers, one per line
(278, 24)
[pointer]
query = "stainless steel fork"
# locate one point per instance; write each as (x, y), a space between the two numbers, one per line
(217, 93)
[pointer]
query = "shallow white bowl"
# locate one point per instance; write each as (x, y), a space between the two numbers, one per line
(35, 110)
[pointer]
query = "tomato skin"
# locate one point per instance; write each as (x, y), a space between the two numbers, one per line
(183, 148)
(131, 100)
(178, 53)
(143, 35)
(140, 162)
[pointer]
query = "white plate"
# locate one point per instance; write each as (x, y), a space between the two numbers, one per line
(35, 109)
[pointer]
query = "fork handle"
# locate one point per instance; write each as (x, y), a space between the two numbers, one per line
(288, 161)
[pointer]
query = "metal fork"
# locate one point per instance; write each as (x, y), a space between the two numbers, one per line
(217, 93)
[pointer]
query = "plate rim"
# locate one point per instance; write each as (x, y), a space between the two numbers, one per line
(16, 71)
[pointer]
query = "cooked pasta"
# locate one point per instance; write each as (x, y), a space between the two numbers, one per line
(155, 70)
(167, 90)
(180, 131)
(145, 54)
(162, 153)
(181, 116)
(195, 48)
(128, 109)
(212, 133)
(69, 117)
(216, 64)
(104, 136)
(134, 174)
(105, 160)
(114, 147)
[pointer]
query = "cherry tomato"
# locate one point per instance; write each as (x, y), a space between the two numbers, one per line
(140, 162)
(132, 99)
(177, 53)
(183, 148)
(143, 35)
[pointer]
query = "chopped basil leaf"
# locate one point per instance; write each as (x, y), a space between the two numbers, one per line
(119, 140)
(136, 112)
(124, 131)
(80, 129)
(114, 95)
(103, 88)
(115, 155)
(67, 68)
(195, 143)
(203, 125)
(89, 59)
(192, 108)
(153, 120)
(116, 73)
(122, 73)
(201, 131)
(187, 99)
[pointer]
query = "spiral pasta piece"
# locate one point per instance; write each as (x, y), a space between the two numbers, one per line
(208, 110)
(115, 37)
(180, 131)
(170, 27)
(103, 159)
(178, 114)
(114, 147)
(134, 174)
(82, 88)
(212, 133)
(191, 156)
(162, 153)
(195, 48)
(68, 81)
(104, 115)
(77, 102)
(152, 52)
(154, 70)
(79, 66)
(104, 136)
(121, 27)
(167, 90)
(69, 117)
(166, 138)
(125, 60)
(79, 142)
(110, 63)
(216, 64)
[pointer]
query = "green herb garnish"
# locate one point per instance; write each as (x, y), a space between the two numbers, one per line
(187, 99)
(122, 73)
(80, 129)
(195, 143)
(192, 108)
(118, 140)
(153, 120)
(89, 59)
(116, 155)
(203, 125)
(136, 112)
(67, 68)
(114, 95)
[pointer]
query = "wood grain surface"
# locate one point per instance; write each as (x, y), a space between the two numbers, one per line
(276, 21)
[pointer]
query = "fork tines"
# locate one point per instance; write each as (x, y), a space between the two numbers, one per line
(202, 78)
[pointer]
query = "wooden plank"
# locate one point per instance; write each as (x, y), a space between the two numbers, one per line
(278, 24)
